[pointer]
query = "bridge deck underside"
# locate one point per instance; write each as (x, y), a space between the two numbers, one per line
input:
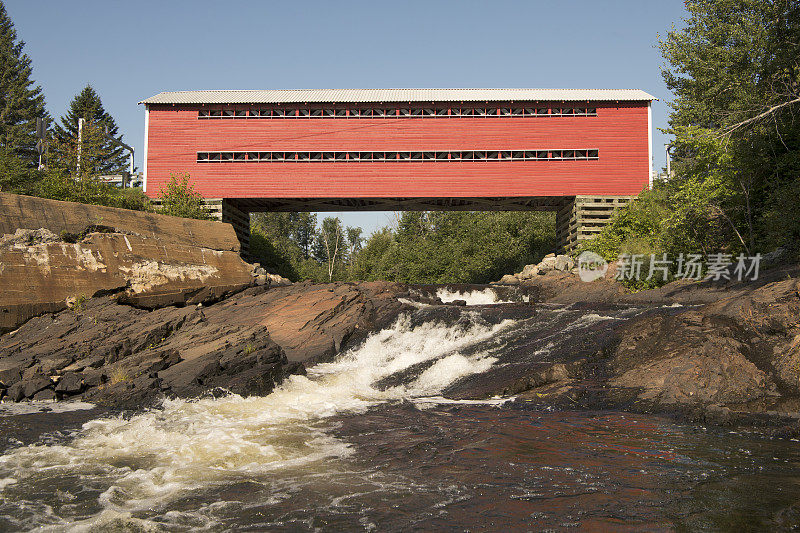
(547, 203)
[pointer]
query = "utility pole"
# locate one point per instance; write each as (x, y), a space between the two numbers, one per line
(126, 175)
(669, 160)
(41, 135)
(80, 143)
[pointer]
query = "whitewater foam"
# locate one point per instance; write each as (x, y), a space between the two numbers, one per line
(151, 458)
(482, 297)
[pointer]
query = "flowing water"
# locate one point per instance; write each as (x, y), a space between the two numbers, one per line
(370, 442)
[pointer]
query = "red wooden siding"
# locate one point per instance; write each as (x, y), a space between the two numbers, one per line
(619, 132)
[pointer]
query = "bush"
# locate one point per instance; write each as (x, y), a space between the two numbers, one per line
(58, 185)
(179, 199)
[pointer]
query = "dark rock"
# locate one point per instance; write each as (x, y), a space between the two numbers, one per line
(16, 392)
(35, 384)
(460, 303)
(70, 383)
(44, 395)
(10, 376)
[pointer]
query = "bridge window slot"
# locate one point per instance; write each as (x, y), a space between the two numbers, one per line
(518, 155)
(227, 112)
(340, 156)
(442, 156)
(492, 155)
(315, 113)
(505, 155)
(252, 156)
(203, 113)
(416, 112)
(328, 156)
(416, 156)
(315, 156)
(404, 112)
(442, 112)
(556, 154)
(303, 156)
(593, 154)
(378, 156)
(340, 112)
(328, 113)
(404, 156)
(391, 156)
(428, 156)
(479, 156)
(202, 156)
(504, 112)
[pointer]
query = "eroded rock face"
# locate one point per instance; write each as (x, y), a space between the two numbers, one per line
(149, 260)
(120, 355)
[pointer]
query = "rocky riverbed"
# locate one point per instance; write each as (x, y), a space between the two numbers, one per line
(720, 352)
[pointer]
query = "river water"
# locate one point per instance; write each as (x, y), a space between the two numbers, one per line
(369, 442)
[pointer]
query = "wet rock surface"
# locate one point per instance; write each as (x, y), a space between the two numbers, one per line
(119, 355)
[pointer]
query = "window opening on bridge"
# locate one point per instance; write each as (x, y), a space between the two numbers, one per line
(438, 155)
(444, 111)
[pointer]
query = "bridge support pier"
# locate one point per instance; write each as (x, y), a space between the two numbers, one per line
(580, 218)
(230, 211)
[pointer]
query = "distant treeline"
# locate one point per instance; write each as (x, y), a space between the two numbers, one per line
(419, 247)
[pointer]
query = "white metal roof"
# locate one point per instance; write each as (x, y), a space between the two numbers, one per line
(274, 96)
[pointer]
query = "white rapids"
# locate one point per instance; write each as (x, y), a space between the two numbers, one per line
(482, 297)
(149, 459)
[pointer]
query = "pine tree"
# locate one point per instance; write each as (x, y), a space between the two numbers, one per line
(87, 105)
(20, 101)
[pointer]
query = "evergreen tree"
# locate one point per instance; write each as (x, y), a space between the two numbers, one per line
(20, 101)
(87, 105)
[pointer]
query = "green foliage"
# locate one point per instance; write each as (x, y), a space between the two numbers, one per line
(109, 158)
(734, 70)
(86, 189)
(179, 199)
(20, 101)
(16, 175)
(455, 247)
(423, 248)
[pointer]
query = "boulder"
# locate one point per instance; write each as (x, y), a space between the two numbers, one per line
(10, 376)
(564, 263)
(528, 272)
(278, 281)
(547, 264)
(46, 395)
(509, 279)
(35, 384)
(70, 383)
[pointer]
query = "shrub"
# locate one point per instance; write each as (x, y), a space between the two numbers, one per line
(179, 199)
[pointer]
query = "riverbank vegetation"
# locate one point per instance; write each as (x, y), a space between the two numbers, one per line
(734, 68)
(419, 247)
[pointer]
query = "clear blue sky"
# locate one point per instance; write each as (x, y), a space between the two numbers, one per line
(131, 50)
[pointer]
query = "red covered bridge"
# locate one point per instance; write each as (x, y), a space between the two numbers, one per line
(577, 152)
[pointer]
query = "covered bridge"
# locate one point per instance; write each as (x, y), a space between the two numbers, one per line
(580, 153)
